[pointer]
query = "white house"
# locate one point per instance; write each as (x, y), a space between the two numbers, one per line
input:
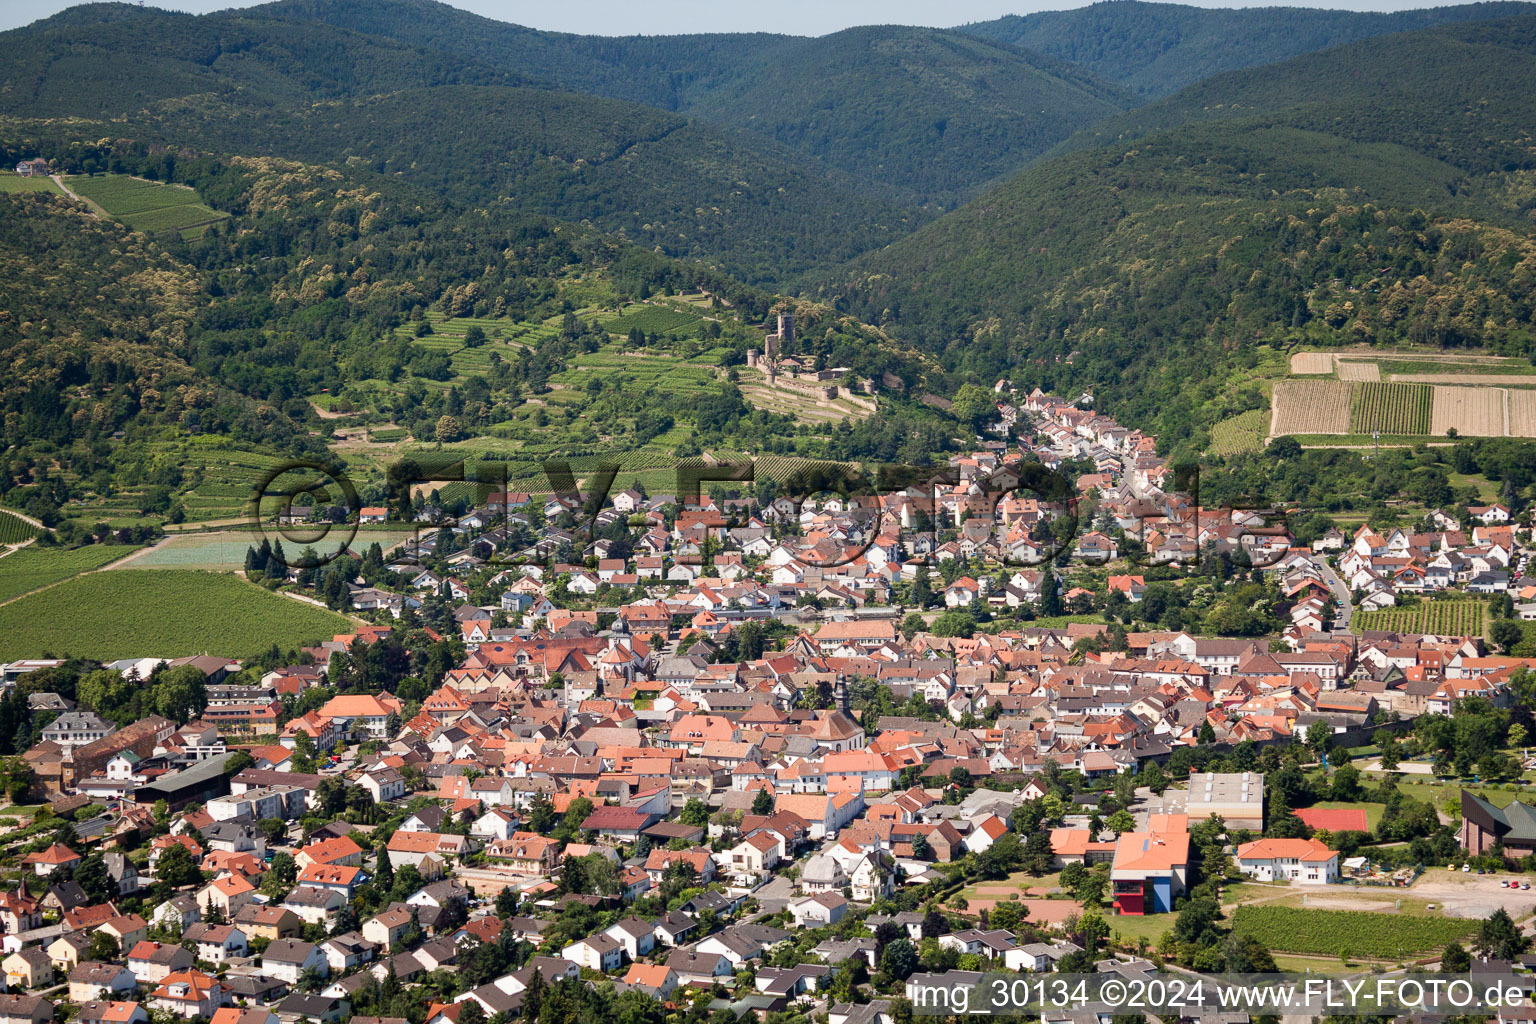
(1304, 861)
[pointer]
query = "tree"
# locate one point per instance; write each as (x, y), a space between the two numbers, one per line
(238, 762)
(1320, 738)
(954, 622)
(102, 948)
(1499, 937)
(506, 903)
(1506, 633)
(762, 803)
(447, 429)
(180, 693)
(1455, 959)
(974, 405)
(175, 868)
(920, 848)
(695, 812)
(1121, 821)
(474, 337)
(1207, 733)
(898, 959)
(473, 1012)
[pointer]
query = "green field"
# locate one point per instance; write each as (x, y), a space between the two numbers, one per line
(10, 181)
(24, 571)
(1390, 408)
(1241, 433)
(164, 612)
(651, 319)
(226, 551)
(1347, 932)
(14, 529)
(148, 206)
(1442, 618)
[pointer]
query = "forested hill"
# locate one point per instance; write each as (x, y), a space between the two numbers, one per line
(1153, 49)
(1392, 199)
(233, 83)
(924, 114)
(105, 329)
(1458, 93)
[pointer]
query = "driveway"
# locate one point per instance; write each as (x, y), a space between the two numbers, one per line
(775, 895)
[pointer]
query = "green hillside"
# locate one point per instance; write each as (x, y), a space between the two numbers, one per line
(1153, 49)
(232, 83)
(1151, 270)
(1455, 93)
(935, 112)
(922, 115)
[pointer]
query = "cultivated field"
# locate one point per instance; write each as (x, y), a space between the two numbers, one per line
(1486, 379)
(148, 206)
(1310, 407)
(1348, 932)
(226, 551)
(1358, 371)
(26, 570)
(1241, 433)
(1474, 412)
(1312, 362)
(1390, 408)
(165, 612)
(1522, 414)
(14, 529)
(1441, 618)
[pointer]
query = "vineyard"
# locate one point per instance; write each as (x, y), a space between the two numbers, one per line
(1312, 362)
(1390, 408)
(1241, 433)
(1310, 407)
(1350, 370)
(34, 567)
(14, 529)
(1440, 618)
(168, 612)
(1474, 412)
(1522, 414)
(1347, 932)
(149, 206)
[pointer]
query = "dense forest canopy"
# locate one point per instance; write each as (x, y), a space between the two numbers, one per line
(1154, 49)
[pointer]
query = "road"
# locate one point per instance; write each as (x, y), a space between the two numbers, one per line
(1341, 594)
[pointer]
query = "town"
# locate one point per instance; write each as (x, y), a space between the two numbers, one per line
(792, 757)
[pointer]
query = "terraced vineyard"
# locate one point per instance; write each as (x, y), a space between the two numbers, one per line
(652, 319)
(149, 206)
(1441, 618)
(1390, 408)
(1241, 433)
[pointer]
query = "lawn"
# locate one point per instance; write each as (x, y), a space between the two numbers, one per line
(1130, 927)
(13, 182)
(148, 206)
(26, 570)
(162, 612)
(1435, 792)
